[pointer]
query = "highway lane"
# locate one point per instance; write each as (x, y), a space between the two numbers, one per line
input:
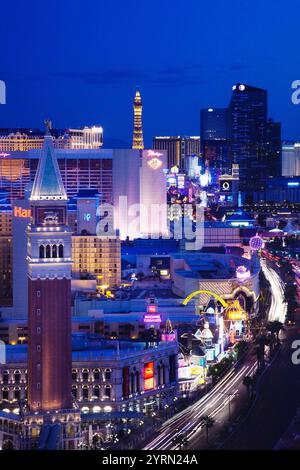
(231, 387)
(278, 308)
(214, 404)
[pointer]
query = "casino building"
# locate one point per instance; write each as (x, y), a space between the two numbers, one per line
(52, 384)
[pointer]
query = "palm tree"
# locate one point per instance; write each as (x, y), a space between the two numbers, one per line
(275, 327)
(207, 422)
(261, 342)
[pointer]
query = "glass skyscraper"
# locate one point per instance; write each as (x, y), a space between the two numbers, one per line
(214, 137)
(248, 121)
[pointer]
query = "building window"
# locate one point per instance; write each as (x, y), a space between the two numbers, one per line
(61, 251)
(54, 251)
(48, 251)
(38, 293)
(17, 376)
(38, 348)
(85, 392)
(96, 374)
(85, 374)
(17, 393)
(107, 374)
(5, 392)
(107, 392)
(74, 392)
(96, 391)
(74, 374)
(38, 311)
(42, 251)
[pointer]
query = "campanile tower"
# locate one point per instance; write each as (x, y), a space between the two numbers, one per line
(49, 289)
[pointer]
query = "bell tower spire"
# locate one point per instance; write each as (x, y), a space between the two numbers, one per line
(49, 289)
(138, 140)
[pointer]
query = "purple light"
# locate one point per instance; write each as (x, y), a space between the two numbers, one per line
(152, 318)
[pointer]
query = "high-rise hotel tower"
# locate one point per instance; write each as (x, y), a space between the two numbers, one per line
(49, 289)
(138, 140)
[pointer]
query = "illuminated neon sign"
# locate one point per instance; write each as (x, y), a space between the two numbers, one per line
(151, 308)
(22, 213)
(149, 376)
(154, 163)
(152, 318)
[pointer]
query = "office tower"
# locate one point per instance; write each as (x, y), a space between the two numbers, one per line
(49, 289)
(178, 148)
(214, 135)
(138, 140)
(273, 148)
(24, 139)
(291, 159)
(248, 120)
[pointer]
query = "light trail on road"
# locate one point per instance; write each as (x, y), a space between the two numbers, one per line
(188, 421)
(278, 307)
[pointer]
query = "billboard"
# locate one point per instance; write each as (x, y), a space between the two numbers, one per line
(149, 376)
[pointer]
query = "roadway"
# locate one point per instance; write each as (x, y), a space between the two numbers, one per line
(214, 404)
(278, 307)
(229, 395)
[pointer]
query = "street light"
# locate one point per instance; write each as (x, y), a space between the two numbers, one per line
(229, 395)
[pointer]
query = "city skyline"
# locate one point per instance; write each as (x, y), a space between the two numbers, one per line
(96, 79)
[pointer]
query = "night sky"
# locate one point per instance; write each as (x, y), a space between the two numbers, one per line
(79, 62)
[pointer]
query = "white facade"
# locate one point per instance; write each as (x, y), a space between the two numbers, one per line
(291, 159)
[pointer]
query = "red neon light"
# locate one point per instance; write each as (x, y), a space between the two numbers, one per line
(152, 308)
(148, 370)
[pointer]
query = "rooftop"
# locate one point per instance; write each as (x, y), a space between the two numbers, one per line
(88, 348)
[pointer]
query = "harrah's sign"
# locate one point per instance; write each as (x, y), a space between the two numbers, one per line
(22, 213)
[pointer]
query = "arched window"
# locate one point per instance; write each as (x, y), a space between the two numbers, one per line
(85, 392)
(61, 251)
(42, 251)
(54, 251)
(107, 392)
(74, 392)
(17, 376)
(17, 393)
(48, 251)
(96, 391)
(85, 374)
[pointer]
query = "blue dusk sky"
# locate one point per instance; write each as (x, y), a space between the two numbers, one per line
(79, 62)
